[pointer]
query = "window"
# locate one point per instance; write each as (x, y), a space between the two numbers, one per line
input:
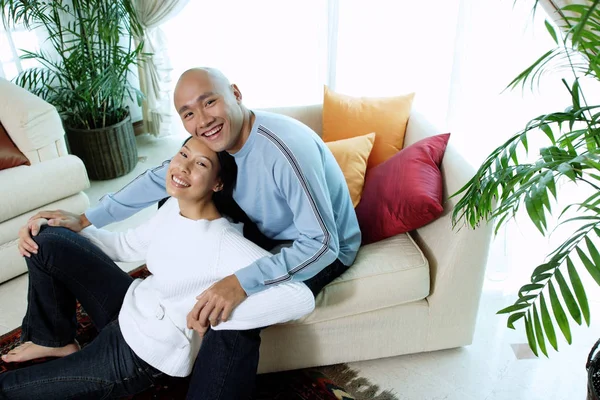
(275, 51)
(11, 41)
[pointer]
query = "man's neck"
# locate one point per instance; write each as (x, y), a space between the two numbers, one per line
(249, 119)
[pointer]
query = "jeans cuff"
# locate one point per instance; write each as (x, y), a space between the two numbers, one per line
(46, 343)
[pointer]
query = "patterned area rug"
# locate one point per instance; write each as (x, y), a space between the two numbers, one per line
(337, 382)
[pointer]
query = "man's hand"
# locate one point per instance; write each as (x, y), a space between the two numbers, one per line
(196, 325)
(74, 222)
(68, 220)
(217, 302)
(26, 244)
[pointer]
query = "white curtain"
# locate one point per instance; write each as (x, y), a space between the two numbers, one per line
(155, 73)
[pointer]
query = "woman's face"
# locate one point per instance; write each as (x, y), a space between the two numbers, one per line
(193, 172)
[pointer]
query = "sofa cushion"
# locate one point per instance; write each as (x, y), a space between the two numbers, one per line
(10, 155)
(352, 155)
(405, 192)
(345, 117)
(39, 184)
(28, 118)
(387, 273)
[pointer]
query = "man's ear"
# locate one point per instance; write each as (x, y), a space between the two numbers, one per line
(236, 92)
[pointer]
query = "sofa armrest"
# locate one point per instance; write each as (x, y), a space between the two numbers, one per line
(457, 256)
(33, 124)
(43, 183)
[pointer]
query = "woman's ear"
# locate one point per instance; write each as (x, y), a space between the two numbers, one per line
(218, 187)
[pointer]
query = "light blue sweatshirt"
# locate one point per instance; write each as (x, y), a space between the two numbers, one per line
(289, 184)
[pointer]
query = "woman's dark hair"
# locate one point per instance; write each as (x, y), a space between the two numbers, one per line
(224, 198)
(226, 205)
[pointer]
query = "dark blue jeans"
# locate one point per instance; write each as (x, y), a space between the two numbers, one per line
(68, 267)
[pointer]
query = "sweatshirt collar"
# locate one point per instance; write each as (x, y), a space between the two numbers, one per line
(251, 138)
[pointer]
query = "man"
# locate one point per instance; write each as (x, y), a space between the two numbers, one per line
(288, 183)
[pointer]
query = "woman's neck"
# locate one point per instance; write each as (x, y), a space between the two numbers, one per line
(196, 210)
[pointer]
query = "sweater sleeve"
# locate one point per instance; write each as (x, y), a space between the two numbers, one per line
(301, 181)
(128, 246)
(278, 304)
(142, 192)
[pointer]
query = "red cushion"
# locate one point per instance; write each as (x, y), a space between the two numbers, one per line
(403, 193)
(10, 156)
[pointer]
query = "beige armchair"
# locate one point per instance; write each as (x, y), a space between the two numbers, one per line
(54, 180)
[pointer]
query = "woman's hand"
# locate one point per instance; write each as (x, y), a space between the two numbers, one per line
(27, 245)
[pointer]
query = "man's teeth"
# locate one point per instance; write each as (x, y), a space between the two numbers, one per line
(180, 182)
(213, 131)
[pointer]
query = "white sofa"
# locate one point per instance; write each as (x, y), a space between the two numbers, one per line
(54, 180)
(405, 294)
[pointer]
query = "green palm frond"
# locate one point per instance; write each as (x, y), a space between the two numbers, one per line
(86, 77)
(555, 297)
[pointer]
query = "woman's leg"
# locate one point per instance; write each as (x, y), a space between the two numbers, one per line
(106, 368)
(67, 268)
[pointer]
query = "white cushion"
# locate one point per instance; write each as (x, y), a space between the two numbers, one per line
(30, 121)
(27, 187)
(387, 273)
(12, 263)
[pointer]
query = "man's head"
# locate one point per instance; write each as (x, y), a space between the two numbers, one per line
(211, 108)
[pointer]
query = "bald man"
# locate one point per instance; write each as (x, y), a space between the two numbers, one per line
(288, 184)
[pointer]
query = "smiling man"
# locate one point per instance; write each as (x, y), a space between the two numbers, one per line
(288, 184)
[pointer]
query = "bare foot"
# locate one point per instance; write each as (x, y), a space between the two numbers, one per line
(30, 351)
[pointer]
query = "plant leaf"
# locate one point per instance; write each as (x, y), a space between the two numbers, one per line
(551, 31)
(568, 296)
(591, 268)
(579, 291)
(559, 313)
(547, 322)
(541, 277)
(530, 334)
(539, 333)
(514, 318)
(514, 307)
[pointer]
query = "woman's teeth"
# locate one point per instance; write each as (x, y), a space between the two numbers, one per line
(180, 182)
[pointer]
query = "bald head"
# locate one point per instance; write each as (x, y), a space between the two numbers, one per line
(206, 75)
(211, 108)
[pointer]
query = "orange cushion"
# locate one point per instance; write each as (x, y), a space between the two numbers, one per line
(352, 155)
(346, 117)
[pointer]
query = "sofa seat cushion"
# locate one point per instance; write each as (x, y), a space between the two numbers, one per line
(30, 187)
(387, 273)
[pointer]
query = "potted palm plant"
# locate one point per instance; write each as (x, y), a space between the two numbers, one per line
(555, 297)
(83, 70)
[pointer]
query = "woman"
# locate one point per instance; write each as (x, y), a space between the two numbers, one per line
(187, 246)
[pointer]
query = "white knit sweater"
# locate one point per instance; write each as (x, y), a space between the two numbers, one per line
(185, 258)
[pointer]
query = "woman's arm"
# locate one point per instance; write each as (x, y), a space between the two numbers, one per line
(276, 305)
(128, 246)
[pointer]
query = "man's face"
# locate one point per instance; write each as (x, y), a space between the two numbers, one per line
(210, 110)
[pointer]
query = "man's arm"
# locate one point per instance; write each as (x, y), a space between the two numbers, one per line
(142, 192)
(301, 181)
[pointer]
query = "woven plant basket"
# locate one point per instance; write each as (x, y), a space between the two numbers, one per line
(107, 153)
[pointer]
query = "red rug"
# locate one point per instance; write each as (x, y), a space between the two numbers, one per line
(307, 384)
